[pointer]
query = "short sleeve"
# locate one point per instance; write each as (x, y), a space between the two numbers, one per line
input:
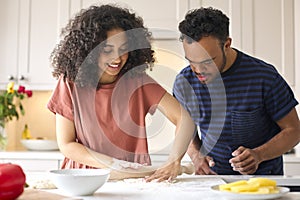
(178, 89)
(153, 93)
(280, 99)
(184, 93)
(60, 101)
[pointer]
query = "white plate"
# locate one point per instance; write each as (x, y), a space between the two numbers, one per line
(231, 195)
(40, 145)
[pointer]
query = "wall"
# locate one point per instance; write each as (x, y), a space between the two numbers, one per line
(42, 123)
(40, 120)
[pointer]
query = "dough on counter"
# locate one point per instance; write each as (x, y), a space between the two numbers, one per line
(42, 184)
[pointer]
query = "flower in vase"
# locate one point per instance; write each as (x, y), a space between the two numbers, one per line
(11, 104)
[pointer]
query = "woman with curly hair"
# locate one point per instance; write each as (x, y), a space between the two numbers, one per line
(103, 95)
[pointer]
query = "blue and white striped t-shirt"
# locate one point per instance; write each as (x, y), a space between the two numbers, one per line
(240, 108)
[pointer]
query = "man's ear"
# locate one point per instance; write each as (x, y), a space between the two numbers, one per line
(227, 43)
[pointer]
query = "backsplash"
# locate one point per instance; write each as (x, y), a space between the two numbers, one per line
(40, 120)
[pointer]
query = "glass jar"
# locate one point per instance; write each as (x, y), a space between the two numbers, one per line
(3, 138)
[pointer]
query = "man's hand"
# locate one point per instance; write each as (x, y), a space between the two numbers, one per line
(203, 164)
(169, 171)
(245, 160)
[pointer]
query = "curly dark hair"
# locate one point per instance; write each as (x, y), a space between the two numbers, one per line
(84, 33)
(203, 22)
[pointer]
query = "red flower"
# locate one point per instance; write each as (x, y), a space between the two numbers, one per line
(21, 89)
(28, 92)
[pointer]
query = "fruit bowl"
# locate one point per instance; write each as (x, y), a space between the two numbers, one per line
(79, 182)
(40, 144)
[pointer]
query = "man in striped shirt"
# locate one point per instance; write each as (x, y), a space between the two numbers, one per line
(244, 109)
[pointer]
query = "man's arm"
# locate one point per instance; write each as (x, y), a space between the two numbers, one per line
(201, 163)
(246, 160)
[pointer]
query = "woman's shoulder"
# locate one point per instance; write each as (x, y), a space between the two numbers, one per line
(64, 83)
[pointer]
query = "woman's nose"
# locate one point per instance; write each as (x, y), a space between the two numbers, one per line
(115, 57)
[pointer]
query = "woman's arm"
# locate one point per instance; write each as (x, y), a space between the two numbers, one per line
(77, 152)
(185, 128)
(66, 139)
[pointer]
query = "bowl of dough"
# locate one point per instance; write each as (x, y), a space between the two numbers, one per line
(79, 182)
(40, 144)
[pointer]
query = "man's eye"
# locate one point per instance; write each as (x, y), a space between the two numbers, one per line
(209, 62)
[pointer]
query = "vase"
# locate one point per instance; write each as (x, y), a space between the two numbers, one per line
(3, 138)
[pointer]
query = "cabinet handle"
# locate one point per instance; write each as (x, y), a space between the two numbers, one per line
(11, 78)
(22, 78)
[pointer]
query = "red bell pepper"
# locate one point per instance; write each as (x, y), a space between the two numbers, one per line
(12, 181)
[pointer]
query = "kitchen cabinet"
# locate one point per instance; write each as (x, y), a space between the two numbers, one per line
(291, 165)
(264, 29)
(34, 161)
(163, 15)
(291, 162)
(30, 29)
(42, 161)
(8, 39)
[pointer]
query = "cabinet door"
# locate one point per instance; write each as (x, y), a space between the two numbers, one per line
(156, 13)
(40, 26)
(264, 29)
(291, 169)
(8, 40)
(30, 33)
(274, 35)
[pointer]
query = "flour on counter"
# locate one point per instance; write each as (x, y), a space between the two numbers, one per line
(184, 184)
(42, 184)
(141, 184)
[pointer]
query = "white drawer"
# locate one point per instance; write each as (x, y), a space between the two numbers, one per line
(34, 165)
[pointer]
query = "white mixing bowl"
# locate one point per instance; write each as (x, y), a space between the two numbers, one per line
(79, 182)
(40, 144)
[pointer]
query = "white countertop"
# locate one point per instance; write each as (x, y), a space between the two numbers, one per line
(185, 187)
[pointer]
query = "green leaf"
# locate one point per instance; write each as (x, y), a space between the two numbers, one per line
(22, 109)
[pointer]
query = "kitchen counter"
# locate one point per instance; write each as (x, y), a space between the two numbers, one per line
(47, 160)
(185, 187)
(56, 155)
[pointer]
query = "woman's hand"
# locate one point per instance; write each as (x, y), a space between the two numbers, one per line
(169, 171)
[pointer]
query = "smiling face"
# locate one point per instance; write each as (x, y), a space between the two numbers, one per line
(207, 57)
(113, 55)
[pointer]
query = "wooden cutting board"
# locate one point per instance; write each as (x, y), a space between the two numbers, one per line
(35, 194)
